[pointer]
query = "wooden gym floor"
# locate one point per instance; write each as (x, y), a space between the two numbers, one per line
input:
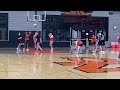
(61, 64)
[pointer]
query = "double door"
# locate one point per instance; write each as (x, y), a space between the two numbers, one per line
(83, 34)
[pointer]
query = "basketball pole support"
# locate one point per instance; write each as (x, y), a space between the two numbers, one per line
(70, 36)
(27, 15)
(70, 39)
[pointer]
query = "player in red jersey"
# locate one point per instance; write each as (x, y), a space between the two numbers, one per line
(93, 40)
(79, 45)
(26, 38)
(118, 58)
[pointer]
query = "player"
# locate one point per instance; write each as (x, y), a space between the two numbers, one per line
(118, 58)
(26, 38)
(103, 43)
(19, 41)
(93, 40)
(35, 39)
(79, 45)
(119, 40)
(98, 43)
(51, 41)
(38, 41)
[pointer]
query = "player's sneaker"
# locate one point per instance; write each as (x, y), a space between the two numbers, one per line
(51, 49)
(103, 52)
(20, 51)
(77, 52)
(93, 51)
(41, 49)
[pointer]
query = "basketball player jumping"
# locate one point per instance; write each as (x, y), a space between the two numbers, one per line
(51, 41)
(19, 41)
(79, 45)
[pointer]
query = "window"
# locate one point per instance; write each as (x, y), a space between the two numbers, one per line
(59, 34)
(3, 34)
(55, 25)
(3, 26)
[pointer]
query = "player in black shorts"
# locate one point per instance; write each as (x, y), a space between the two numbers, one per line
(19, 41)
(98, 43)
(38, 41)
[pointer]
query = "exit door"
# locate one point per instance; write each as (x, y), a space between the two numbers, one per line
(74, 35)
(86, 35)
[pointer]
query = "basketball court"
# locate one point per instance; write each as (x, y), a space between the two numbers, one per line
(62, 62)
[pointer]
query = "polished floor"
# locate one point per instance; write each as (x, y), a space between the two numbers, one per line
(62, 63)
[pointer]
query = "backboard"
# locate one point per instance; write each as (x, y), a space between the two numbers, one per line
(34, 16)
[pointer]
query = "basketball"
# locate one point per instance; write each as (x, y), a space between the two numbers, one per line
(99, 33)
(34, 25)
